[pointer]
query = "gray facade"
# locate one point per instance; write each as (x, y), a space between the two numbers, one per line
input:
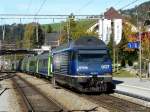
(52, 39)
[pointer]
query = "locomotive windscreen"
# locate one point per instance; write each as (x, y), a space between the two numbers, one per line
(92, 51)
(92, 64)
(91, 58)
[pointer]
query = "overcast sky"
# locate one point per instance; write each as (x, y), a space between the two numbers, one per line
(61, 6)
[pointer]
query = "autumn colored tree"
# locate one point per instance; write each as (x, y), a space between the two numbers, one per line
(74, 30)
(130, 55)
(110, 46)
(126, 54)
(146, 46)
(30, 39)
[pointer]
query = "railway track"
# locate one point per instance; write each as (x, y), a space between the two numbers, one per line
(34, 100)
(112, 103)
(5, 76)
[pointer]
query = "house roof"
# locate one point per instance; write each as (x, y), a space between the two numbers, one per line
(51, 38)
(112, 14)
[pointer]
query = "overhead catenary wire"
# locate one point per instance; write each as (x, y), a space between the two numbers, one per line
(41, 6)
(37, 29)
(129, 4)
(59, 15)
(85, 5)
(140, 50)
(29, 5)
(118, 2)
(45, 15)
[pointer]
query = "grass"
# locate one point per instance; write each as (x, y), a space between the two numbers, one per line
(84, 23)
(123, 73)
(57, 26)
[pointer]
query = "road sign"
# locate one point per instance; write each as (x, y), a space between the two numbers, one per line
(134, 45)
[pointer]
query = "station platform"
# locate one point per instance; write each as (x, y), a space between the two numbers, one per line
(135, 87)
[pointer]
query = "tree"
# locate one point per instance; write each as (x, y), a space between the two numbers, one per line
(110, 46)
(49, 28)
(123, 63)
(30, 39)
(68, 29)
(74, 29)
(126, 53)
(146, 46)
(29, 36)
(41, 38)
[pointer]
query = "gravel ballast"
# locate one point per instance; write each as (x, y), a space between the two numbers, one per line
(9, 99)
(65, 98)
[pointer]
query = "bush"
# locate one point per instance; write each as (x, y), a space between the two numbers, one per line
(130, 63)
(123, 63)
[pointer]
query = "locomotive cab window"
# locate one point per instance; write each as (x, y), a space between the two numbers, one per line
(91, 57)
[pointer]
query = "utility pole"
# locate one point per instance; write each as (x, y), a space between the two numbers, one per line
(68, 30)
(3, 29)
(114, 54)
(140, 55)
(140, 46)
(147, 24)
(37, 34)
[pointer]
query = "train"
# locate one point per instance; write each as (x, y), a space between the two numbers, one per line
(83, 64)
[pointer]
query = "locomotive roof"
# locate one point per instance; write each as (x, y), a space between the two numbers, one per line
(85, 42)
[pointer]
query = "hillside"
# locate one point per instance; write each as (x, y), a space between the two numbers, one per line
(16, 31)
(85, 23)
(13, 32)
(141, 10)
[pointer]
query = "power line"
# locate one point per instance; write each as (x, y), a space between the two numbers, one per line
(85, 5)
(45, 15)
(118, 2)
(44, 1)
(18, 18)
(129, 4)
(29, 5)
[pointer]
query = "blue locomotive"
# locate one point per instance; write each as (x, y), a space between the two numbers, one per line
(83, 64)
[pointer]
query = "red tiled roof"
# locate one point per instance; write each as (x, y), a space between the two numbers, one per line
(112, 14)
